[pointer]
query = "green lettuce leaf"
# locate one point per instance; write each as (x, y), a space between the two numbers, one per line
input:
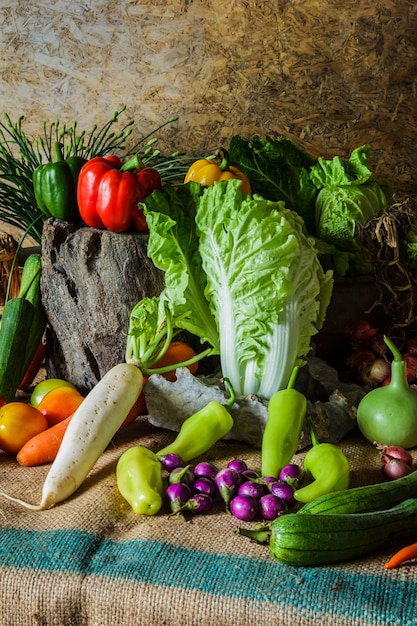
(173, 248)
(278, 170)
(348, 195)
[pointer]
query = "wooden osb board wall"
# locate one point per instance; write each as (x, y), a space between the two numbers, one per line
(330, 74)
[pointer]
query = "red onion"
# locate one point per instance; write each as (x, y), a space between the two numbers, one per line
(394, 469)
(374, 374)
(378, 345)
(411, 361)
(394, 452)
(358, 357)
(360, 331)
(410, 346)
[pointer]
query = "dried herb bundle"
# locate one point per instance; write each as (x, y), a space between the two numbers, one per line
(383, 236)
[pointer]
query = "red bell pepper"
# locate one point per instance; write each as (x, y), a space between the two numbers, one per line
(108, 193)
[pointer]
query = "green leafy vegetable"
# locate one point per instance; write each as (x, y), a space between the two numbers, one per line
(242, 275)
(278, 170)
(348, 195)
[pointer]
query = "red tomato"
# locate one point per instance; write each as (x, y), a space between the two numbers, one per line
(177, 352)
(19, 422)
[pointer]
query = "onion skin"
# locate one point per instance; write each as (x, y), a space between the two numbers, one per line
(394, 452)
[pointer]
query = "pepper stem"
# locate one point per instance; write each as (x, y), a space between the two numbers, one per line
(134, 163)
(231, 391)
(223, 154)
(293, 378)
(313, 435)
(57, 155)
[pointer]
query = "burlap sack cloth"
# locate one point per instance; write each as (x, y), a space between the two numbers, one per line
(92, 561)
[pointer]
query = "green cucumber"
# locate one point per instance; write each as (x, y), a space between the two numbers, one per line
(16, 324)
(364, 499)
(29, 280)
(307, 540)
(30, 290)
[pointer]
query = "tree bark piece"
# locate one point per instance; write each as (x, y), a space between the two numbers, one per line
(91, 280)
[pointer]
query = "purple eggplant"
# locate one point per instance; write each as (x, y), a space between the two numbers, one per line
(178, 494)
(171, 461)
(271, 507)
(199, 504)
(204, 485)
(244, 507)
(284, 491)
(227, 481)
(206, 470)
(292, 474)
(251, 488)
(238, 465)
(182, 475)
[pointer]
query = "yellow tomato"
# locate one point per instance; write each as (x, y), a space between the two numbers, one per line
(19, 422)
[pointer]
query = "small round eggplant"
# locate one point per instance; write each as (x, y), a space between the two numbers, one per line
(238, 465)
(271, 507)
(244, 507)
(206, 470)
(204, 485)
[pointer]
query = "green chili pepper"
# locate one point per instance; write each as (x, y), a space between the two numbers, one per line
(329, 467)
(55, 185)
(139, 480)
(199, 432)
(286, 413)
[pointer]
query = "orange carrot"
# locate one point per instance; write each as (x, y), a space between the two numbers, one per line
(405, 554)
(44, 447)
(139, 408)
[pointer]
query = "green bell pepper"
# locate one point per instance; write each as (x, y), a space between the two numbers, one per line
(55, 185)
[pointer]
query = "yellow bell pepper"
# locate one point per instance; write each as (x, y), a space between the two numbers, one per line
(207, 171)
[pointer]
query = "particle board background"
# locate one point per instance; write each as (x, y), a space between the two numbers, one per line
(331, 75)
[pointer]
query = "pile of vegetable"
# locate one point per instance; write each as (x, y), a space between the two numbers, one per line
(249, 241)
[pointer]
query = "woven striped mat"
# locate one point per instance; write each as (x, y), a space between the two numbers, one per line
(92, 561)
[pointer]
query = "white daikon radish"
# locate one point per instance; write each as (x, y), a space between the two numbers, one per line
(89, 432)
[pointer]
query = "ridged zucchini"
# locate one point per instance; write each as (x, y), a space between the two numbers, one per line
(306, 540)
(364, 499)
(15, 327)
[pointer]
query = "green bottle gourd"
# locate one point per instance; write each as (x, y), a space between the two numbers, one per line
(388, 414)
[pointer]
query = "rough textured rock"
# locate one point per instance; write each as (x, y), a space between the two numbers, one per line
(330, 403)
(91, 279)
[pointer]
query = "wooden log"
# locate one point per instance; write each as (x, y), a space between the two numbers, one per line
(91, 280)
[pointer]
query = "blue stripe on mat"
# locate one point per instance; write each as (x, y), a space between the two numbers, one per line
(339, 591)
